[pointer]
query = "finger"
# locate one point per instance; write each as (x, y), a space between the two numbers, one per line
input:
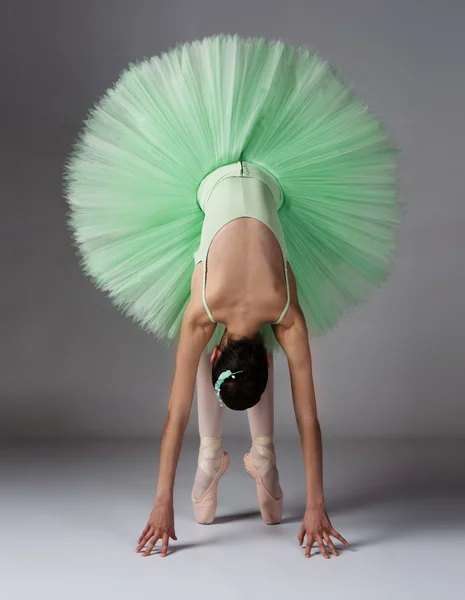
(147, 527)
(330, 544)
(308, 549)
(323, 550)
(301, 535)
(339, 537)
(151, 544)
(173, 536)
(144, 540)
(164, 545)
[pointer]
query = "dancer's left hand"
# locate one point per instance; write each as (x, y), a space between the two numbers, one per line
(317, 527)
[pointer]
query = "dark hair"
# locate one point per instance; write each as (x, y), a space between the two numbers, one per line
(247, 354)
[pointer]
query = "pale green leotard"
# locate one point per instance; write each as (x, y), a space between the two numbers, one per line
(239, 190)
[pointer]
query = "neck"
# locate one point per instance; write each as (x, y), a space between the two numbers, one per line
(243, 328)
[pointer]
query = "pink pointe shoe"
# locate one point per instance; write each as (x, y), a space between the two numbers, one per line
(205, 506)
(270, 508)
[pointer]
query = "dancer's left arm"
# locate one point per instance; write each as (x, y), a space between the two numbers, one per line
(316, 524)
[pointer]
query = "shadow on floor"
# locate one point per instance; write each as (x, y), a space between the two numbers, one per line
(240, 516)
(398, 512)
(174, 547)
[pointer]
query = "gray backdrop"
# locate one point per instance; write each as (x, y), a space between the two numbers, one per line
(72, 366)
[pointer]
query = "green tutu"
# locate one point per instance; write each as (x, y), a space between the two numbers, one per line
(131, 179)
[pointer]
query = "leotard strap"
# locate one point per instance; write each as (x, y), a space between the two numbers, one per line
(210, 316)
(285, 309)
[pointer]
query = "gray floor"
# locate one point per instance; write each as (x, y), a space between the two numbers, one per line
(71, 514)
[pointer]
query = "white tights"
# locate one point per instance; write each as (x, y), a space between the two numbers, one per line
(261, 424)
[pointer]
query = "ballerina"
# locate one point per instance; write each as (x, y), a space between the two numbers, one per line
(256, 159)
(250, 281)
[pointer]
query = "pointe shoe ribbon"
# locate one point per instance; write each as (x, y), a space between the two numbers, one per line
(209, 455)
(261, 445)
(205, 506)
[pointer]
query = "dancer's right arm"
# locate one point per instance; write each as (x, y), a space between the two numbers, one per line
(192, 341)
(193, 338)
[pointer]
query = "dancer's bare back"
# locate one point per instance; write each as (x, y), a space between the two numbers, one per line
(245, 275)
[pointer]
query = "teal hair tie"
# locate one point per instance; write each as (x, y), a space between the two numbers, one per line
(223, 376)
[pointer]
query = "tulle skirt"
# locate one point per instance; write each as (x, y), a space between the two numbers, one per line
(132, 176)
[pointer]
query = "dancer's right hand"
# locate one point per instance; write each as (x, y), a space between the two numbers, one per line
(159, 526)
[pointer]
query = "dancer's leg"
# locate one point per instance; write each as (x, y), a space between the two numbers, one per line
(261, 423)
(210, 428)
